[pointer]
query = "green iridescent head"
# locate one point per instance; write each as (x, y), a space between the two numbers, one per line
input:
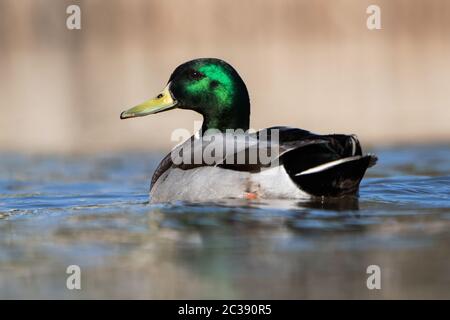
(208, 86)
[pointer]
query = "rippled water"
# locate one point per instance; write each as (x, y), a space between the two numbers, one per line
(93, 211)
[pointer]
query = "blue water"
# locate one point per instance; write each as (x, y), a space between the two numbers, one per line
(93, 211)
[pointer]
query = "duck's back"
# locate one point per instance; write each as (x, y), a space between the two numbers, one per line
(305, 165)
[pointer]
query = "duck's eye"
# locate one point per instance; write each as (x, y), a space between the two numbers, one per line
(196, 75)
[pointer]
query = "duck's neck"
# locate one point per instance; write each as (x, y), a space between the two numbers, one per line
(235, 116)
(225, 122)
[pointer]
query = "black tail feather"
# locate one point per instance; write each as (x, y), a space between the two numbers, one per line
(342, 178)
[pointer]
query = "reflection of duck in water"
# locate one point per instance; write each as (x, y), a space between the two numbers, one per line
(307, 164)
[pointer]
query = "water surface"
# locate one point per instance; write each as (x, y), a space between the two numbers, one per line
(93, 211)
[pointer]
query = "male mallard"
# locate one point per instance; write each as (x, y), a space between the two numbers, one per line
(305, 164)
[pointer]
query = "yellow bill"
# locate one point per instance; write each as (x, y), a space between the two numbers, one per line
(162, 102)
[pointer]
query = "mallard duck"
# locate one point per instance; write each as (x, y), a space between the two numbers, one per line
(306, 165)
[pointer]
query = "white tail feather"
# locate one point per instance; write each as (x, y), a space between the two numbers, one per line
(327, 165)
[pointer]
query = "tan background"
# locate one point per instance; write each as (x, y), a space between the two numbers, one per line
(309, 64)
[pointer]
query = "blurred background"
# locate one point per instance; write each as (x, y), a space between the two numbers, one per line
(74, 178)
(309, 64)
